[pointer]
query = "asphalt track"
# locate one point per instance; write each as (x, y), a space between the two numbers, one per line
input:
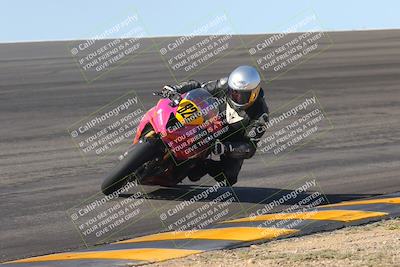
(42, 92)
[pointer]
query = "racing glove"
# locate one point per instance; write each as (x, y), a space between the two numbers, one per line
(167, 90)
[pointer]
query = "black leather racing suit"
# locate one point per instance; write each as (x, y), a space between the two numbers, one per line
(243, 133)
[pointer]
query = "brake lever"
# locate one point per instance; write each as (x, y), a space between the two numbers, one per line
(158, 94)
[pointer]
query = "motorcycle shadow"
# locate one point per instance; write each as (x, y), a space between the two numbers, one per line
(251, 195)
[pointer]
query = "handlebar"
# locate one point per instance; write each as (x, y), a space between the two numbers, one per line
(158, 94)
(174, 96)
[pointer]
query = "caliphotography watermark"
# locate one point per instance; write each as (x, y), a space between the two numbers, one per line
(291, 127)
(199, 123)
(102, 216)
(290, 208)
(199, 209)
(208, 40)
(110, 46)
(299, 40)
(108, 128)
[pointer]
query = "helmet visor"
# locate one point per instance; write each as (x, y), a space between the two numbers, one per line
(241, 97)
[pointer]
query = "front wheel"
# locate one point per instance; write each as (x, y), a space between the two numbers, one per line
(140, 153)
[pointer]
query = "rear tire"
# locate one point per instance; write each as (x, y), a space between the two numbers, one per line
(141, 153)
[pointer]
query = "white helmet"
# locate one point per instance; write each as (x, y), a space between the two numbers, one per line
(243, 86)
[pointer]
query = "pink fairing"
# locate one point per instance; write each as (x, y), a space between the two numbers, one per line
(181, 140)
(157, 117)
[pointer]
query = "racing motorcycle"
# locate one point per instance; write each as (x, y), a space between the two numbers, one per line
(171, 138)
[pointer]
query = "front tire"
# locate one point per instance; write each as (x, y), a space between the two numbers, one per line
(141, 153)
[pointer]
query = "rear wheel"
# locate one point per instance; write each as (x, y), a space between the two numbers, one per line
(140, 153)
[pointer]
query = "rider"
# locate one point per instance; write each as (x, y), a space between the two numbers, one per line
(246, 114)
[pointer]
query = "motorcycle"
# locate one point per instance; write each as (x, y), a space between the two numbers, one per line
(171, 138)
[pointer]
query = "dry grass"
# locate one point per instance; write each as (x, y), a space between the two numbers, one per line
(376, 244)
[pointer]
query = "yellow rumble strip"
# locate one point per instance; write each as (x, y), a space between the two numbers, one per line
(323, 215)
(393, 200)
(235, 234)
(231, 233)
(142, 254)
